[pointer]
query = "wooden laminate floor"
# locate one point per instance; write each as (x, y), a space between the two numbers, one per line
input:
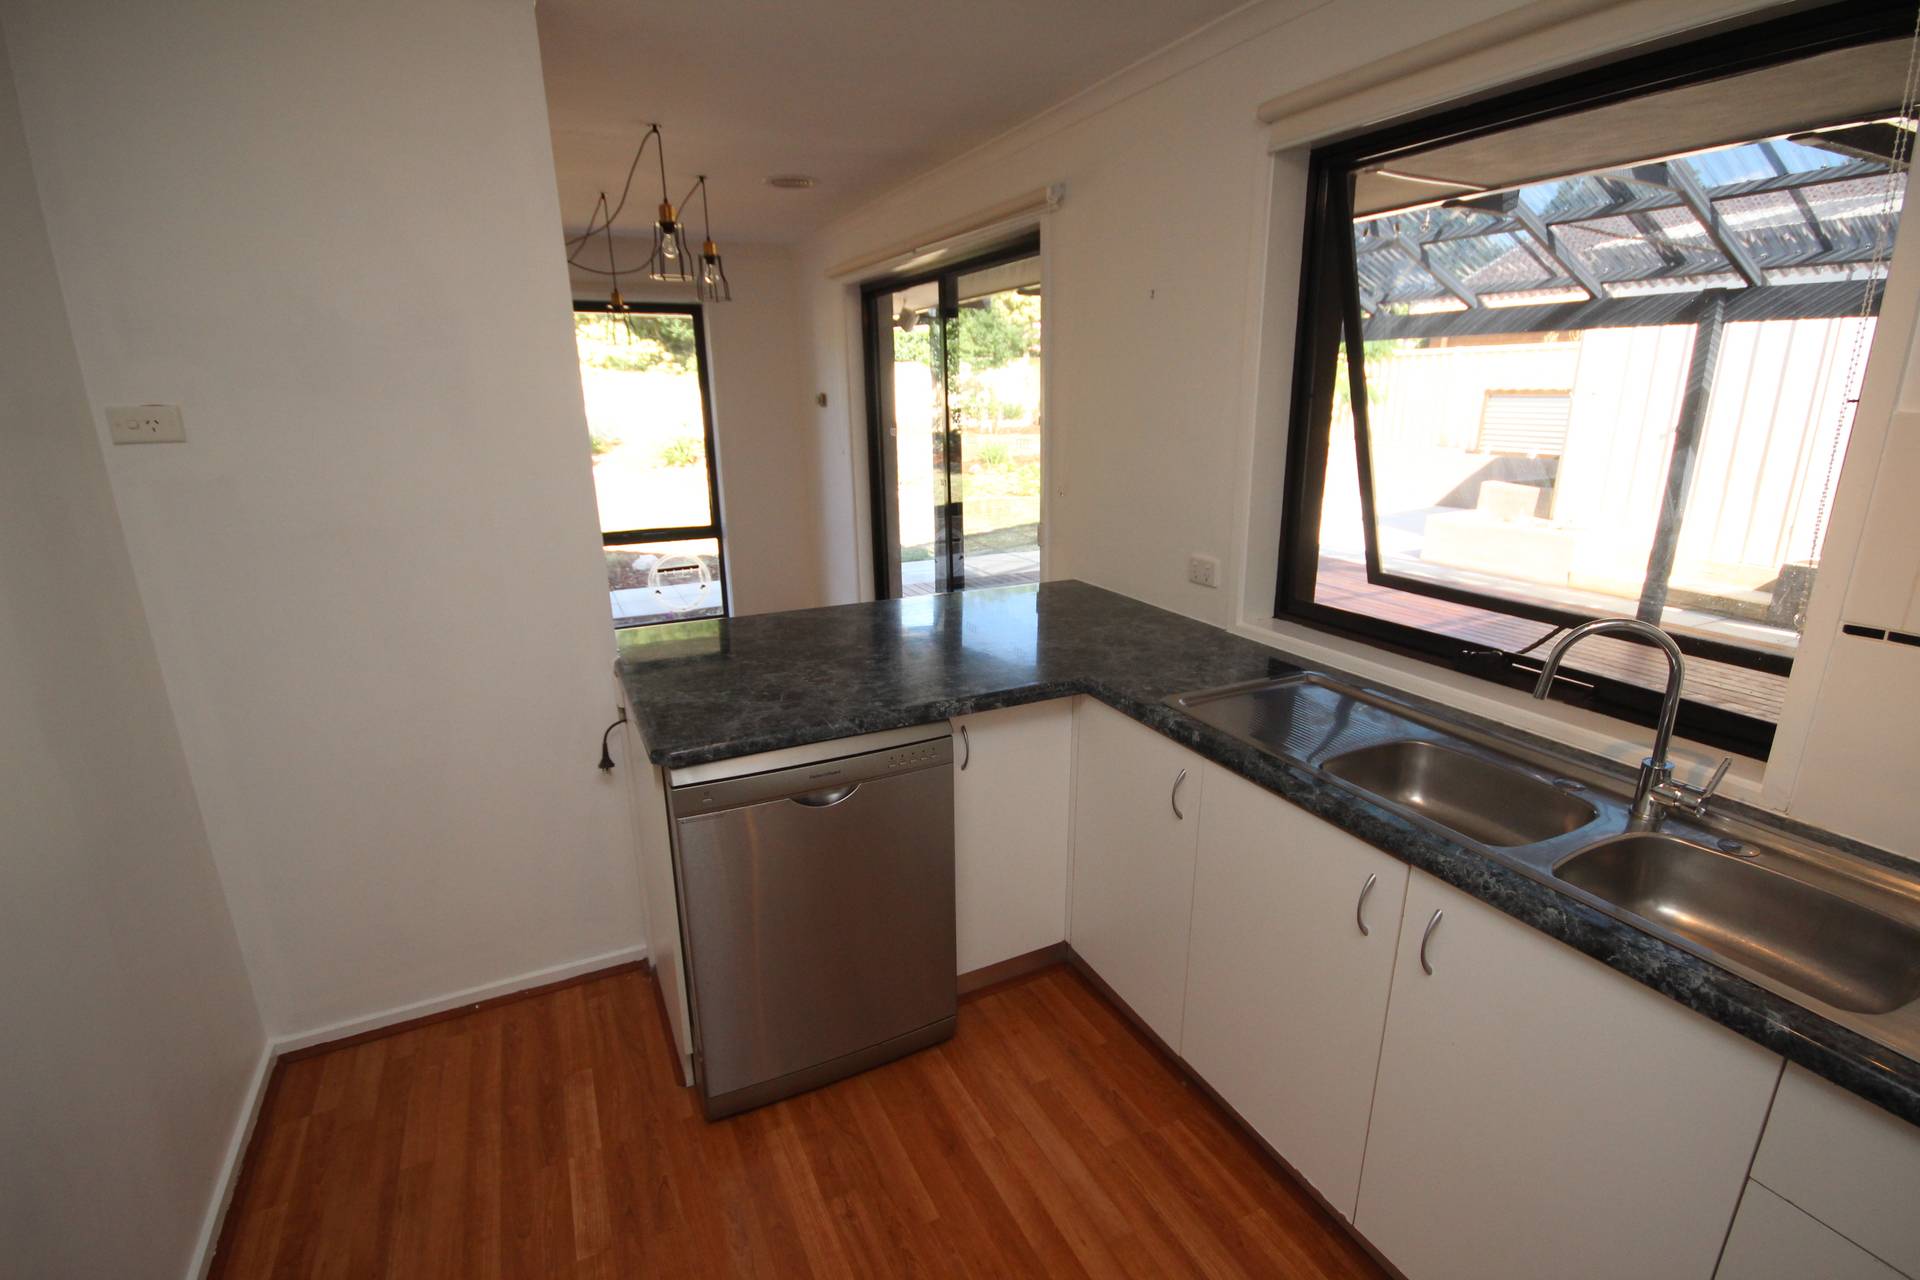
(549, 1137)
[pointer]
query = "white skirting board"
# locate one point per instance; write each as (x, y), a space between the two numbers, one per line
(453, 1000)
(263, 1072)
(230, 1165)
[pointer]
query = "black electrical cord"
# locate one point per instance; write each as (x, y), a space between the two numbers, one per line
(608, 229)
(653, 130)
(606, 756)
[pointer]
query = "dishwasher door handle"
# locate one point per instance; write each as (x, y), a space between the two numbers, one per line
(826, 799)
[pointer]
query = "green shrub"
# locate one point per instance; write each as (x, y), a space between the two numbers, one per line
(992, 454)
(635, 342)
(683, 452)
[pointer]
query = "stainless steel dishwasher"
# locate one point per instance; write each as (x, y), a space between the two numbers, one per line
(816, 907)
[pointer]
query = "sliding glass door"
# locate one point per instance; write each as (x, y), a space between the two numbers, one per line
(954, 408)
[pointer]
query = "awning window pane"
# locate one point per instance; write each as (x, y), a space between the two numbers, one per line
(1620, 392)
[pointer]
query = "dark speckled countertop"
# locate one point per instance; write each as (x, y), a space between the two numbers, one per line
(715, 689)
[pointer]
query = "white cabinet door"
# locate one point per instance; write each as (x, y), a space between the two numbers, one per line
(1287, 976)
(1846, 1162)
(1135, 829)
(1772, 1240)
(1012, 804)
(1538, 1114)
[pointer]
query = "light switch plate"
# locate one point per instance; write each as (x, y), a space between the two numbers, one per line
(146, 424)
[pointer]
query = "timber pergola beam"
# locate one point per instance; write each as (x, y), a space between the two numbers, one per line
(1568, 242)
(1675, 176)
(1448, 281)
(1656, 197)
(1566, 260)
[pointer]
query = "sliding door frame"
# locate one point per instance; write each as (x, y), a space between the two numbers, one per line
(879, 471)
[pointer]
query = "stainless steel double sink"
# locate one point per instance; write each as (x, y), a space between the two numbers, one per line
(1470, 795)
(1826, 928)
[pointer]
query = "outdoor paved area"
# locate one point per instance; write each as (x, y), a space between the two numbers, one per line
(1343, 585)
(637, 606)
(990, 569)
(1402, 538)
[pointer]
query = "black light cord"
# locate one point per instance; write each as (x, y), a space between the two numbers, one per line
(584, 236)
(606, 756)
(699, 185)
(613, 268)
(660, 154)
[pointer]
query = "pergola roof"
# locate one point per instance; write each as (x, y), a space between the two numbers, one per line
(1783, 221)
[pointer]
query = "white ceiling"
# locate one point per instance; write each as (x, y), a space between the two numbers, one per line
(861, 94)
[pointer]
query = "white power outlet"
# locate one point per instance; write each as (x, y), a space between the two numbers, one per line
(1204, 570)
(146, 424)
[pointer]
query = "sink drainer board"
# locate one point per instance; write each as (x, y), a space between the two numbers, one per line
(1302, 718)
(1500, 802)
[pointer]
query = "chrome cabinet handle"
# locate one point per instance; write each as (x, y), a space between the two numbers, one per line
(1432, 924)
(966, 749)
(1360, 907)
(1173, 797)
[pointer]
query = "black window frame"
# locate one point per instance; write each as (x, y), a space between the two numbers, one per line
(879, 475)
(684, 533)
(1329, 306)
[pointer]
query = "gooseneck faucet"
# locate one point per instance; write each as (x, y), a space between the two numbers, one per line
(1654, 790)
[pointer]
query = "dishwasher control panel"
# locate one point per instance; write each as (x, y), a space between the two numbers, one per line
(917, 756)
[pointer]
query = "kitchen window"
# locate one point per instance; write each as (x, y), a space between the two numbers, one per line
(1610, 334)
(643, 371)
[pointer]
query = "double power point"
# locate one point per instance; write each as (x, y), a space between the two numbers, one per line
(1203, 570)
(146, 424)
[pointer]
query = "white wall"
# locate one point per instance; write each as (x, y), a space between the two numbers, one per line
(1153, 268)
(129, 1026)
(763, 418)
(372, 572)
(1173, 282)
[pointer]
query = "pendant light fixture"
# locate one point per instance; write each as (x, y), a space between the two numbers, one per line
(712, 285)
(672, 259)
